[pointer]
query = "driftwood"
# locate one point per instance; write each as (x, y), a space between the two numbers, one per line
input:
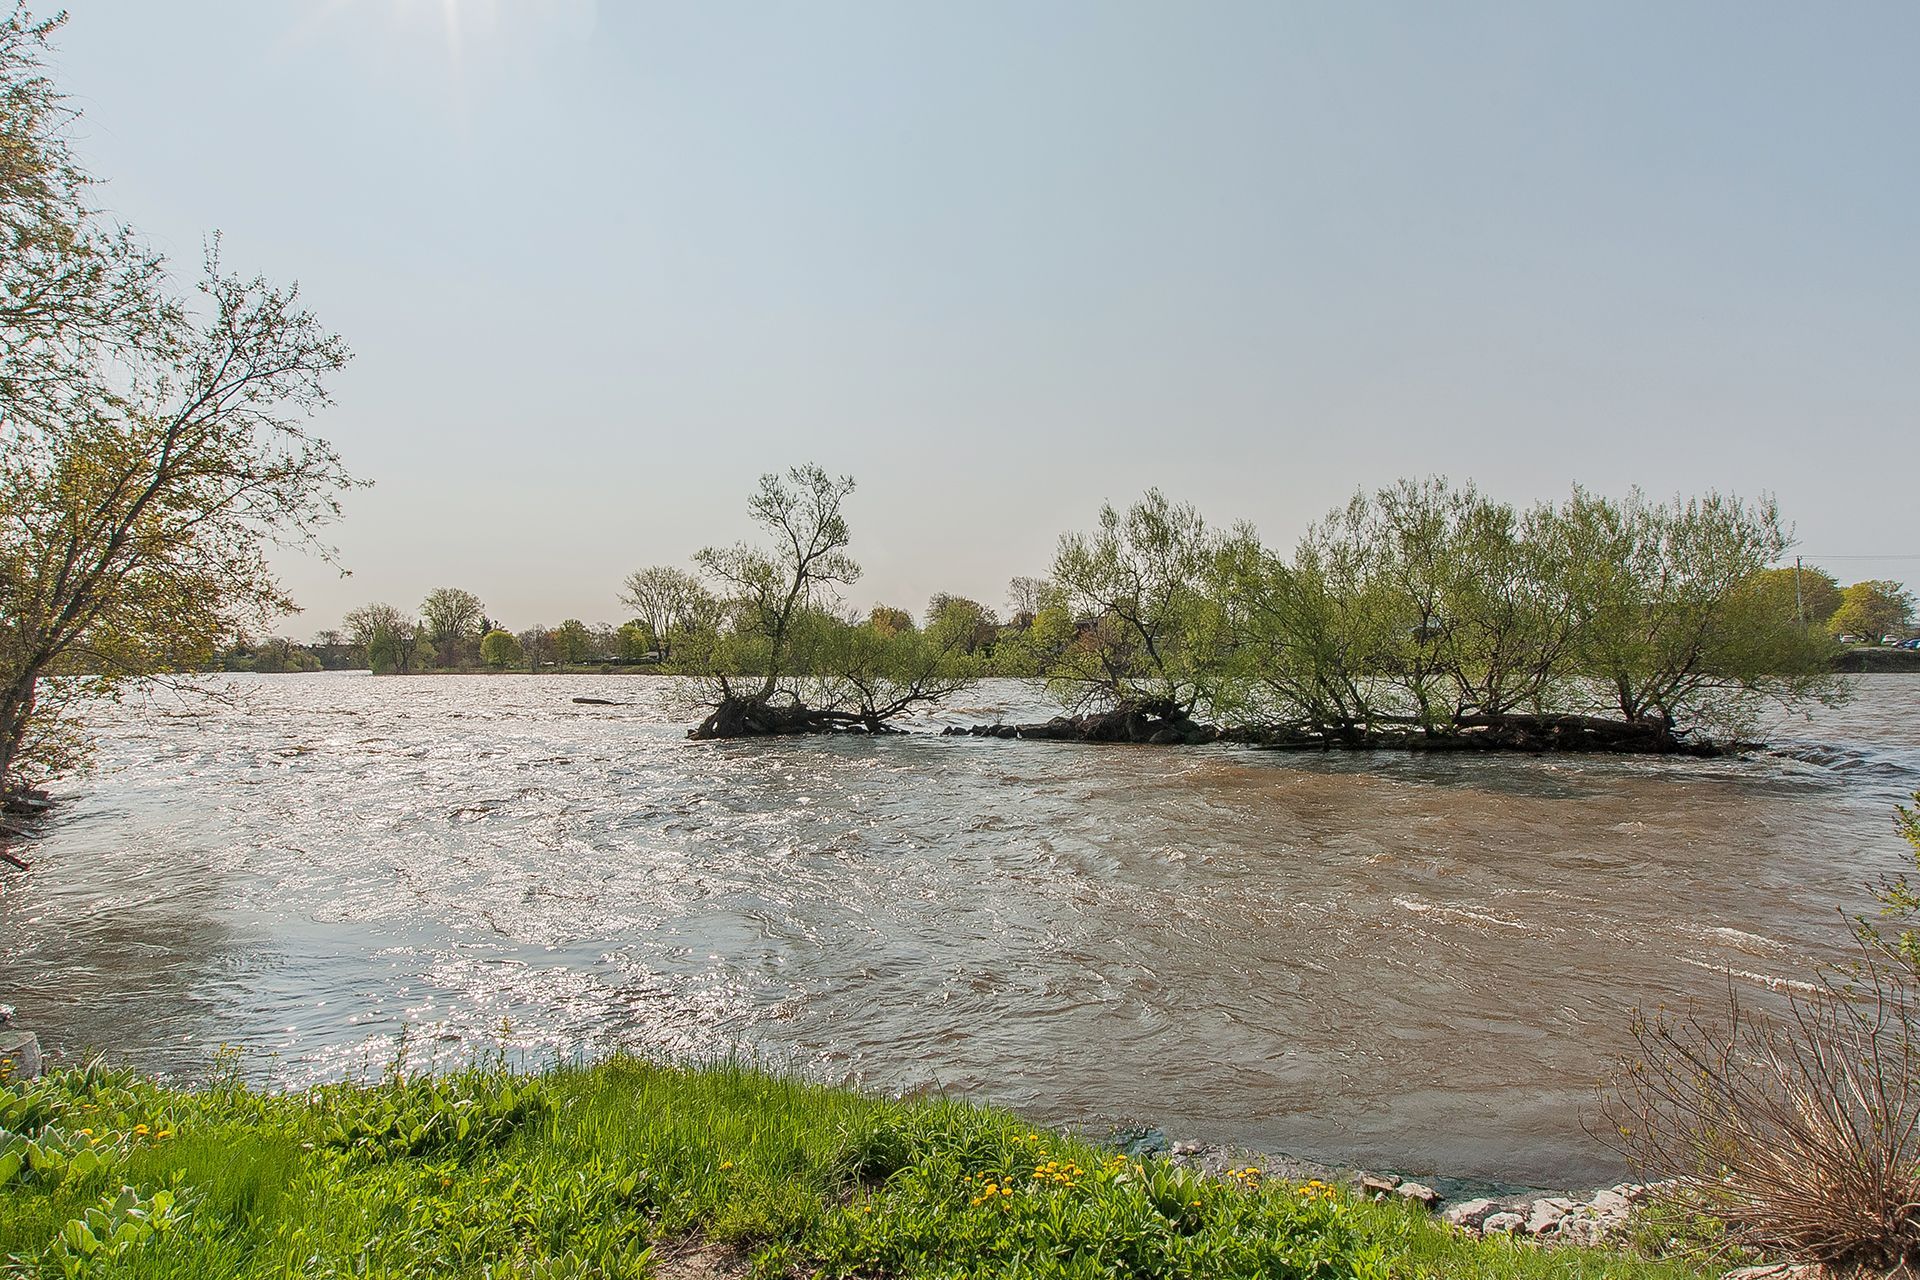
(601, 702)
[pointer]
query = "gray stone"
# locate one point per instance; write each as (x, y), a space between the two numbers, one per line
(1545, 1216)
(1469, 1213)
(1418, 1192)
(1503, 1223)
(19, 1055)
(1610, 1204)
(1376, 1186)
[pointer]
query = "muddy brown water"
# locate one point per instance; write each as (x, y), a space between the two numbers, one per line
(1422, 964)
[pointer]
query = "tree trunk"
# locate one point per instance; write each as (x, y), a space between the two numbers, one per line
(16, 710)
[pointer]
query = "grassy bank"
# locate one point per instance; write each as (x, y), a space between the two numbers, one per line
(627, 1169)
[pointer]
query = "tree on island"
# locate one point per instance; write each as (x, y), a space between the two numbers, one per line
(151, 445)
(787, 662)
(1153, 646)
(1428, 615)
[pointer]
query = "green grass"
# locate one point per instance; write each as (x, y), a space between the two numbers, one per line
(610, 1170)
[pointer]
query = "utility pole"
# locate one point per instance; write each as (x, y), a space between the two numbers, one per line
(1799, 601)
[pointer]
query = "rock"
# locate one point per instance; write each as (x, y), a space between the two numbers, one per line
(1470, 1213)
(1610, 1204)
(19, 1055)
(1505, 1223)
(1545, 1216)
(1376, 1186)
(1418, 1192)
(600, 702)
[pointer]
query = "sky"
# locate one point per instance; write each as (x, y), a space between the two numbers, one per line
(602, 265)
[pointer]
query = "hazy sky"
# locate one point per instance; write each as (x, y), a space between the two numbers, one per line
(601, 265)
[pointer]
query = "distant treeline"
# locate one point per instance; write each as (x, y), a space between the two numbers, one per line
(1424, 610)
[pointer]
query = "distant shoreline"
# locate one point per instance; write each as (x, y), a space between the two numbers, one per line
(1875, 661)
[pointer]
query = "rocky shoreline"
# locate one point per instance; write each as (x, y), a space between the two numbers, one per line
(1593, 1217)
(1166, 726)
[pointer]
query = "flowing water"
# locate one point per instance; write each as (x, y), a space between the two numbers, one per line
(1405, 962)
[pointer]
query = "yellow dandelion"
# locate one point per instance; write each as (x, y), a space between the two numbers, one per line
(726, 1164)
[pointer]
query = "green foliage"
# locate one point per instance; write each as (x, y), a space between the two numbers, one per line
(1894, 932)
(151, 445)
(387, 637)
(1428, 608)
(1802, 593)
(670, 602)
(572, 642)
(599, 1171)
(888, 621)
(635, 642)
(1872, 610)
(410, 1118)
(453, 620)
(500, 650)
(1147, 583)
(772, 592)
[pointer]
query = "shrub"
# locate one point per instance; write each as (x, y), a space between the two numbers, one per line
(1798, 1126)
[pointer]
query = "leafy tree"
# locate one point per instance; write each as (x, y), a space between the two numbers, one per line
(669, 601)
(454, 619)
(774, 594)
(1670, 617)
(1027, 596)
(1872, 610)
(388, 637)
(149, 447)
(537, 645)
(1803, 593)
(963, 623)
(635, 642)
(499, 650)
(887, 621)
(875, 675)
(572, 642)
(1155, 625)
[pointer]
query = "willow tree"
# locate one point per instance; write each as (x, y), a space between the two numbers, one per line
(1677, 622)
(151, 445)
(775, 592)
(1146, 584)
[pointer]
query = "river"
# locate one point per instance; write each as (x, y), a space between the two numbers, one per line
(1415, 963)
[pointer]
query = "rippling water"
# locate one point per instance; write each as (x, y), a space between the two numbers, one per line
(1420, 963)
